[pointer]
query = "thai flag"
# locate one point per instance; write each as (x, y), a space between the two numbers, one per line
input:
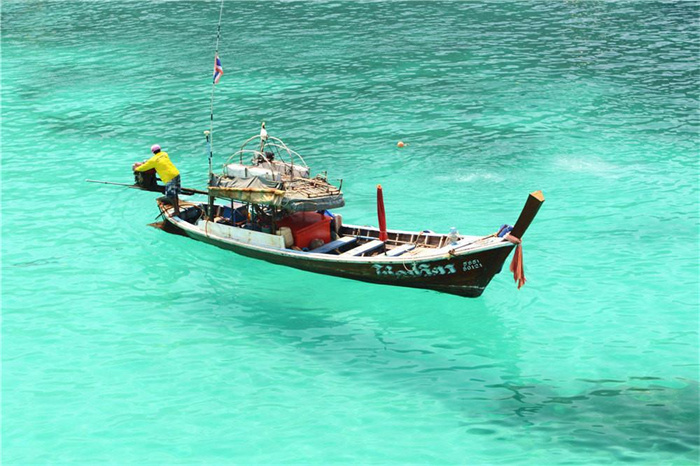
(218, 70)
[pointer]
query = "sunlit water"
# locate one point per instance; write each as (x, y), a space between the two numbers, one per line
(122, 344)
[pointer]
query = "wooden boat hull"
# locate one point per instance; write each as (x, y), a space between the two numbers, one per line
(464, 274)
(463, 270)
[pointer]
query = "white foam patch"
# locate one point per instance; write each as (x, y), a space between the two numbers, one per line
(471, 177)
(592, 165)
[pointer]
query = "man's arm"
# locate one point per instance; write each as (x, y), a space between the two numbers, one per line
(147, 165)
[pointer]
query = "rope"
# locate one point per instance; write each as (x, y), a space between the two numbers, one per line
(213, 87)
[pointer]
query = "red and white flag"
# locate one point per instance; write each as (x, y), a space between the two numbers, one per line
(218, 70)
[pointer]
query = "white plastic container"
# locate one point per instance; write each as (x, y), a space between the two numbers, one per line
(453, 235)
(286, 233)
(245, 171)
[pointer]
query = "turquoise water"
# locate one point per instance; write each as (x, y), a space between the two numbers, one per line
(125, 345)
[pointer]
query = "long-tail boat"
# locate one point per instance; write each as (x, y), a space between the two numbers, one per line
(265, 205)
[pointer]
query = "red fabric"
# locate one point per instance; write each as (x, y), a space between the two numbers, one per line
(516, 265)
(381, 214)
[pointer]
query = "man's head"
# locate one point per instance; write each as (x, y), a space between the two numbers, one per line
(155, 148)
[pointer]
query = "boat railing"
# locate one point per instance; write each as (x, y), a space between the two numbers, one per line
(274, 145)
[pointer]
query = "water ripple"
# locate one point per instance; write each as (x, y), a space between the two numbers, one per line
(120, 338)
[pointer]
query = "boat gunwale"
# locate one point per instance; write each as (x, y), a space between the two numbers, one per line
(324, 257)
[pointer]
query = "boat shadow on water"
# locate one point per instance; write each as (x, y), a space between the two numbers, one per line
(470, 368)
(466, 363)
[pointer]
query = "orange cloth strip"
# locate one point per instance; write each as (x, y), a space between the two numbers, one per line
(516, 265)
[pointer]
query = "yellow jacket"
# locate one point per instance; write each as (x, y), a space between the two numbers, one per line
(161, 162)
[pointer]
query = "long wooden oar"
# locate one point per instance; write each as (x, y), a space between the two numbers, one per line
(185, 191)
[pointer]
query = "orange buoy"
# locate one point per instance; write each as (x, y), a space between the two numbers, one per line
(400, 144)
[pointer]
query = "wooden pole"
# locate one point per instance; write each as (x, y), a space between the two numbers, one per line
(381, 214)
(185, 191)
(527, 215)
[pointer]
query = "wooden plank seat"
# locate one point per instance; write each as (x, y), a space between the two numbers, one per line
(365, 248)
(333, 245)
(400, 250)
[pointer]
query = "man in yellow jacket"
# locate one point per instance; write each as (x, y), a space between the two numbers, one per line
(167, 171)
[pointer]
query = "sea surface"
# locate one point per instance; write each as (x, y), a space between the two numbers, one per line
(122, 344)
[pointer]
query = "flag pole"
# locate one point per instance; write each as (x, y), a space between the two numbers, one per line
(210, 136)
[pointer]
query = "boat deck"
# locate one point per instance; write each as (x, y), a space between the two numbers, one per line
(348, 241)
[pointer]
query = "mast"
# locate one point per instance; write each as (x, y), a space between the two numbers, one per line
(210, 135)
